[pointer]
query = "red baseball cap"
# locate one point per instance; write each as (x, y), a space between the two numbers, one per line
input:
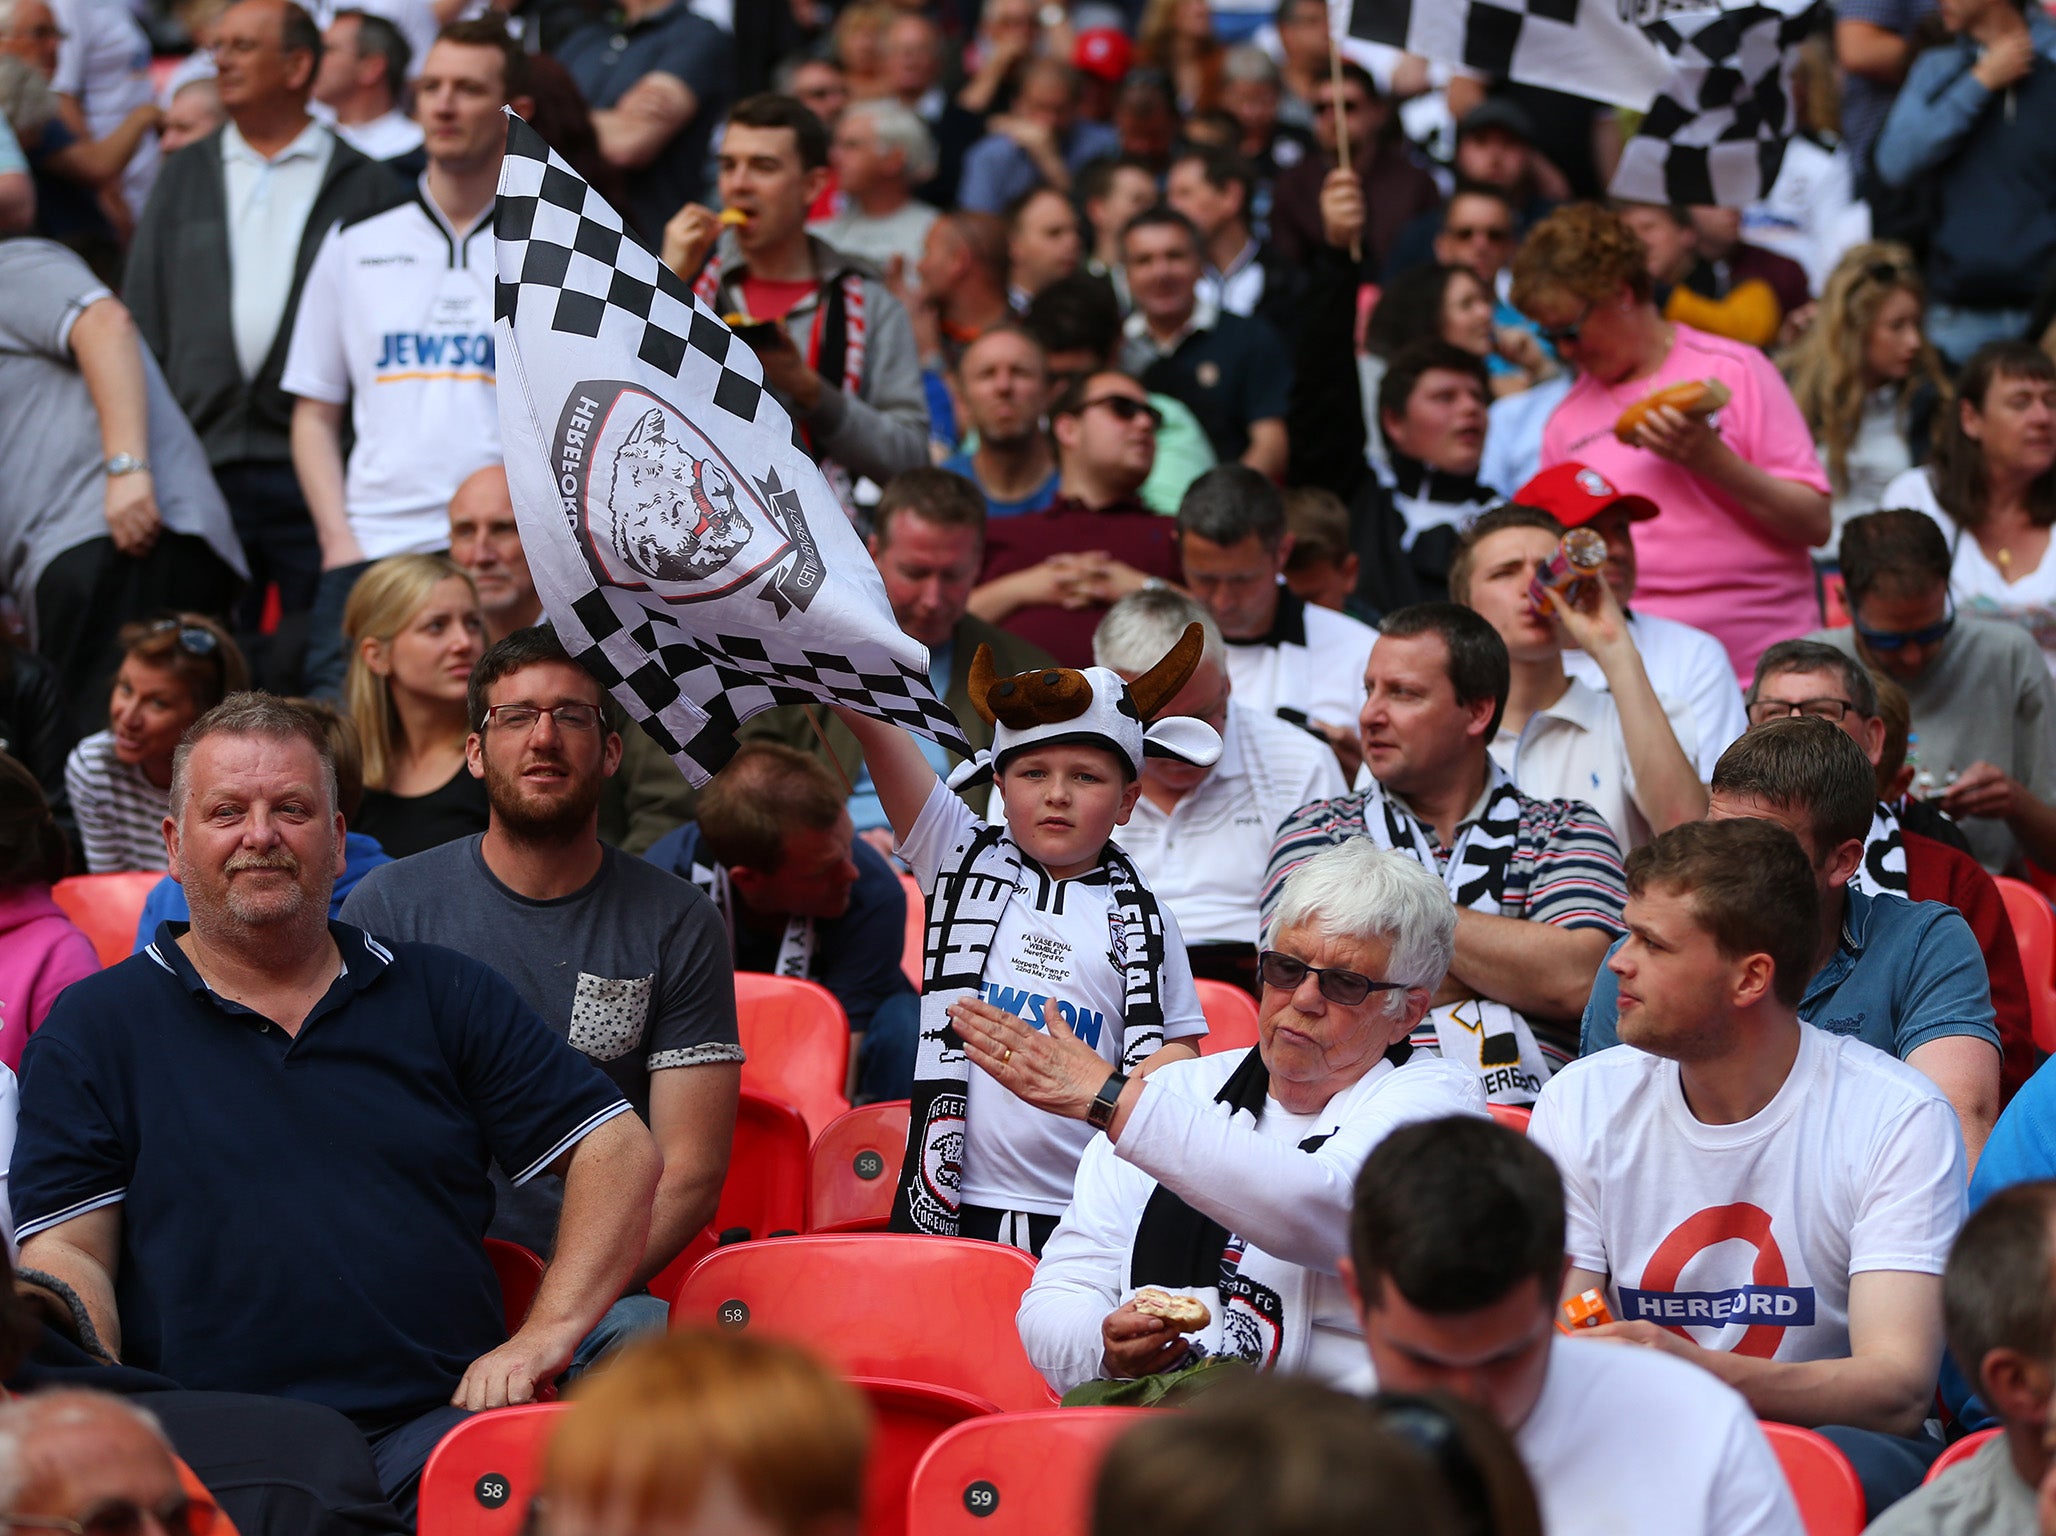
(1104, 52)
(1575, 493)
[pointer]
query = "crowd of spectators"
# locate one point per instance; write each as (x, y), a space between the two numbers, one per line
(1259, 444)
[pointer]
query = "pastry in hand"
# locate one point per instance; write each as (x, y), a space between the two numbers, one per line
(1187, 1314)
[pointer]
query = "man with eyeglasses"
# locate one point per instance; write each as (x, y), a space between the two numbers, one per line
(1228, 1178)
(1049, 575)
(90, 1464)
(1197, 832)
(1912, 849)
(1905, 977)
(626, 961)
(1393, 188)
(1984, 708)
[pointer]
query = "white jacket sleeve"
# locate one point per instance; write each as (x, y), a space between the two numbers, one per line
(1083, 1272)
(1291, 1204)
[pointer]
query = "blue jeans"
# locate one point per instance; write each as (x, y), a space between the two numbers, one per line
(623, 1323)
(1957, 332)
(1888, 1466)
(321, 673)
(885, 1060)
(399, 1452)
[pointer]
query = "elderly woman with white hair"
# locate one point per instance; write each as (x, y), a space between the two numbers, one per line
(1228, 1179)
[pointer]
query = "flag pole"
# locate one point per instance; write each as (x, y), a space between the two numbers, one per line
(1356, 246)
(833, 761)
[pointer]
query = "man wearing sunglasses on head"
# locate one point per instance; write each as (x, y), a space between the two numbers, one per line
(1227, 1179)
(1050, 575)
(1984, 708)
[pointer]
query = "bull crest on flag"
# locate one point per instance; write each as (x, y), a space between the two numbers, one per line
(685, 546)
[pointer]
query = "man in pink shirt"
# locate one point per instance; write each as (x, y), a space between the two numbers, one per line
(1742, 491)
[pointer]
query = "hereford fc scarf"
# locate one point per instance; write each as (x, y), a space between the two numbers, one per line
(684, 545)
(979, 876)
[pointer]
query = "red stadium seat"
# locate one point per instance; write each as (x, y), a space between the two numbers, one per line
(1961, 1451)
(917, 930)
(766, 1188)
(1515, 1115)
(1823, 1483)
(1231, 1017)
(1021, 1474)
(2034, 929)
(929, 1309)
(482, 1474)
(907, 1417)
(107, 908)
(854, 1168)
(521, 1275)
(796, 1041)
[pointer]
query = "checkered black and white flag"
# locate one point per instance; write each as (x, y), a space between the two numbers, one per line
(1714, 77)
(1717, 130)
(689, 553)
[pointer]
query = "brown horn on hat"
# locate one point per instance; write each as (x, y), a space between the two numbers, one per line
(980, 683)
(1156, 687)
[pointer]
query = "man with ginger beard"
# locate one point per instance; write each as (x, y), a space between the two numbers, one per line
(628, 962)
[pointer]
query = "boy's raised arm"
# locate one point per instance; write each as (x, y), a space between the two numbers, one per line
(899, 772)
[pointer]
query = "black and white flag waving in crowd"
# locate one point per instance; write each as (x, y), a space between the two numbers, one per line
(689, 553)
(1713, 77)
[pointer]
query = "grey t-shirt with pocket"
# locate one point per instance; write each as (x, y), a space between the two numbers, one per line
(633, 970)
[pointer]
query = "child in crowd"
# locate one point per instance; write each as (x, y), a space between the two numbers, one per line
(1323, 565)
(1086, 951)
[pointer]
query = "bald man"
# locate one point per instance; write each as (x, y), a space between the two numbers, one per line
(486, 540)
(65, 1455)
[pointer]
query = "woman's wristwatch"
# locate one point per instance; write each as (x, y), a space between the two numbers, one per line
(1100, 1112)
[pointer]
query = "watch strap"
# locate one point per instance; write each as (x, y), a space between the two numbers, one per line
(1100, 1113)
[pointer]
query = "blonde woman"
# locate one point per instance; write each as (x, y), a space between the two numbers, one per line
(1866, 379)
(414, 632)
(694, 1432)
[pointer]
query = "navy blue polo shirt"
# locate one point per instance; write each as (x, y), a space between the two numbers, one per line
(301, 1216)
(1228, 374)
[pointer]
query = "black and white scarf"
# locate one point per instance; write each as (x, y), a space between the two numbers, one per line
(1501, 1041)
(795, 945)
(1883, 870)
(979, 876)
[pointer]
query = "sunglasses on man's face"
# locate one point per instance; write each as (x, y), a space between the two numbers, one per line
(1899, 639)
(1125, 408)
(1285, 973)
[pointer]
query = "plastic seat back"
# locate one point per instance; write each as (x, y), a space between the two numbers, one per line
(796, 1044)
(107, 908)
(938, 1310)
(1231, 1017)
(907, 1417)
(483, 1473)
(521, 1275)
(765, 1192)
(854, 1168)
(1021, 1474)
(1962, 1451)
(2034, 930)
(917, 930)
(1823, 1484)
(1515, 1115)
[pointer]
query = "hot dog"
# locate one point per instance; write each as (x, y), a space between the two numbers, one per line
(1694, 397)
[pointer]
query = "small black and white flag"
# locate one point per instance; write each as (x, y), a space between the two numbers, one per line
(1713, 78)
(690, 554)
(1717, 130)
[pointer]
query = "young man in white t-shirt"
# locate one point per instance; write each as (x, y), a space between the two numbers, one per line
(395, 328)
(1045, 922)
(1456, 1257)
(1764, 1198)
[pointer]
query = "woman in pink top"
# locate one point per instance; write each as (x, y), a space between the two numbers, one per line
(41, 953)
(1742, 493)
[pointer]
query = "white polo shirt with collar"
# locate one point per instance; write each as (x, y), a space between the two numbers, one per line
(385, 137)
(1686, 664)
(1198, 856)
(1574, 750)
(268, 205)
(1312, 661)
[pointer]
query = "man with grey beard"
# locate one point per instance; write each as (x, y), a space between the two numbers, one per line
(625, 960)
(257, 1152)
